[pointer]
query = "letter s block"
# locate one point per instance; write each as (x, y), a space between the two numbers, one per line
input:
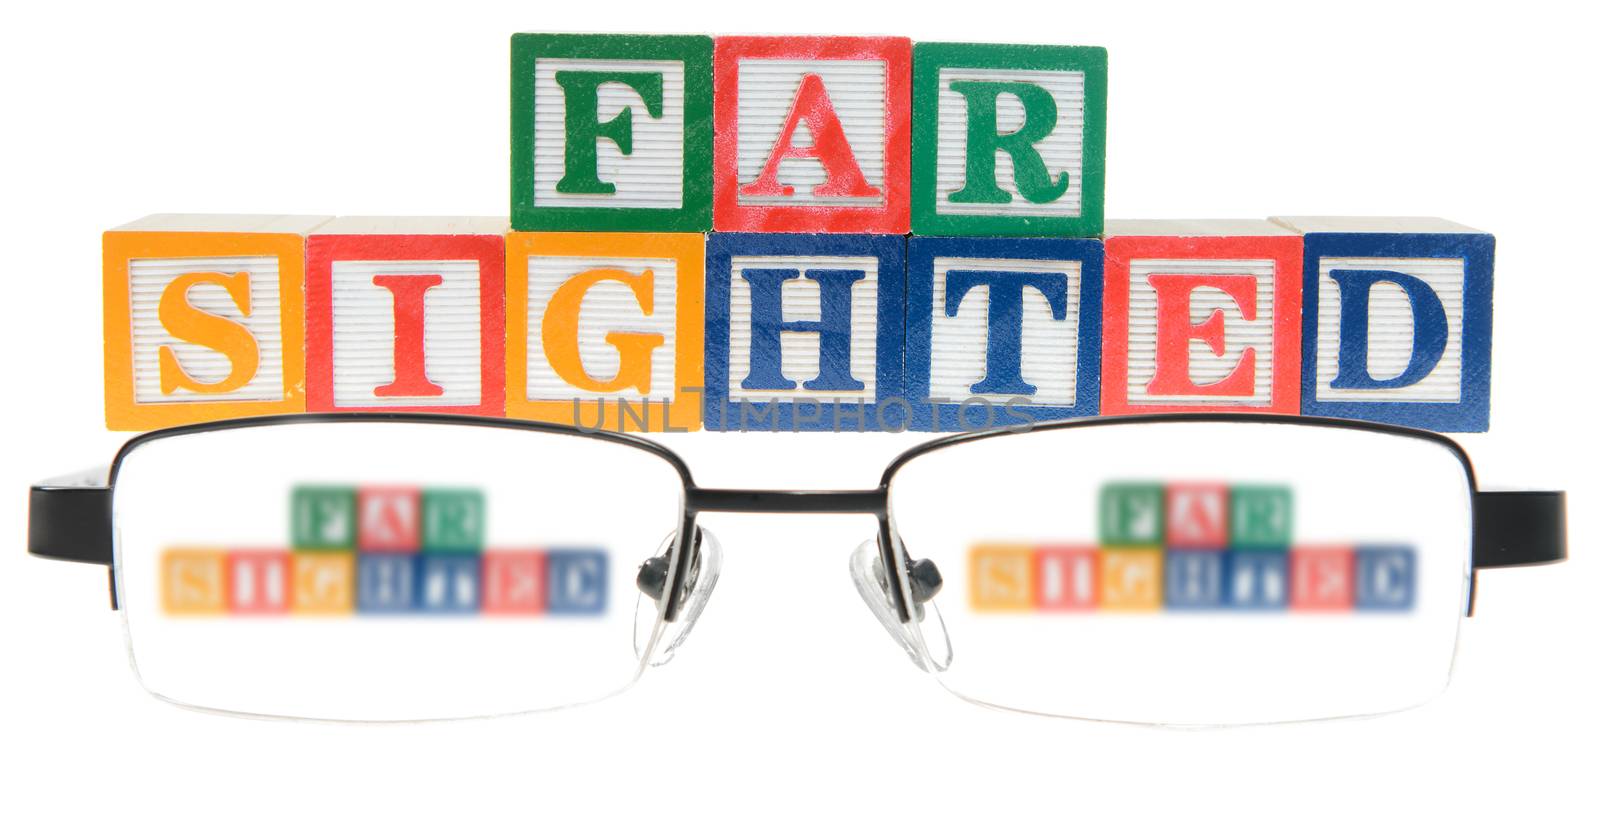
(1008, 140)
(1397, 322)
(605, 330)
(1201, 315)
(406, 314)
(204, 318)
(610, 132)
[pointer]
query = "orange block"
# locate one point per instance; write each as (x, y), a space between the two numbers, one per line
(606, 329)
(1130, 578)
(204, 318)
(1000, 577)
(324, 583)
(194, 581)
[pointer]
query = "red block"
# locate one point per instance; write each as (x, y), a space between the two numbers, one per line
(1066, 578)
(1201, 315)
(1322, 578)
(258, 582)
(813, 134)
(513, 582)
(406, 314)
(389, 519)
(1197, 515)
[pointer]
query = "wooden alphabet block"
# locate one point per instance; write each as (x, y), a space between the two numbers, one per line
(577, 581)
(1196, 579)
(1258, 579)
(386, 583)
(390, 519)
(1132, 514)
(258, 582)
(452, 519)
(513, 582)
(1386, 577)
(1000, 577)
(1322, 578)
(1002, 331)
(1201, 315)
(322, 517)
(805, 332)
(1397, 320)
(610, 132)
(449, 584)
(813, 134)
(406, 314)
(204, 318)
(1260, 516)
(324, 584)
(1197, 515)
(194, 581)
(1066, 578)
(606, 330)
(1008, 140)
(1131, 579)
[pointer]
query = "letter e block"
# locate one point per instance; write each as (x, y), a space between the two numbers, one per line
(1322, 578)
(513, 582)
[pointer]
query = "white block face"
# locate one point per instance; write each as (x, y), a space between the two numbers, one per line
(1049, 346)
(608, 307)
(1390, 328)
(767, 89)
(1061, 150)
(364, 332)
(1205, 367)
(148, 280)
(802, 301)
(649, 177)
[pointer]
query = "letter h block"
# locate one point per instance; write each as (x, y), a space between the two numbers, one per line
(1001, 331)
(1397, 320)
(610, 132)
(406, 314)
(1008, 140)
(1201, 315)
(805, 332)
(204, 318)
(813, 134)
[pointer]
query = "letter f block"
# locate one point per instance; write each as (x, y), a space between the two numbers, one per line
(610, 132)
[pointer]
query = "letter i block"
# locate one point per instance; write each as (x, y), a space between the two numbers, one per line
(813, 134)
(1000, 331)
(258, 582)
(1397, 320)
(1008, 140)
(805, 332)
(610, 132)
(1201, 315)
(204, 318)
(1066, 578)
(606, 330)
(406, 313)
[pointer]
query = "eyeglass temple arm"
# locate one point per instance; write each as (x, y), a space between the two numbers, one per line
(69, 518)
(1518, 528)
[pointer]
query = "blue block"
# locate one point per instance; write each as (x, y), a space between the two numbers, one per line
(577, 580)
(988, 321)
(1403, 267)
(1258, 579)
(449, 583)
(386, 582)
(1386, 578)
(771, 299)
(1194, 579)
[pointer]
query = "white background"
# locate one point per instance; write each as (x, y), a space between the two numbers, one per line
(789, 701)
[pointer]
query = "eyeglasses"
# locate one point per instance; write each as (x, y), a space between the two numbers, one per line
(1185, 569)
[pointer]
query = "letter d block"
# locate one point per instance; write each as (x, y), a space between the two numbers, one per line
(610, 132)
(204, 318)
(406, 314)
(1397, 320)
(606, 330)
(1008, 140)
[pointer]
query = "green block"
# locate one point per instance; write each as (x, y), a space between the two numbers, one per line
(322, 518)
(1132, 514)
(452, 520)
(575, 169)
(1044, 107)
(1260, 516)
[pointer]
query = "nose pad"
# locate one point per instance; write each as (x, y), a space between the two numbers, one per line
(928, 647)
(652, 583)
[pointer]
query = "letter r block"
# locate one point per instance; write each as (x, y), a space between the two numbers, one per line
(1397, 320)
(610, 132)
(1008, 140)
(204, 318)
(406, 314)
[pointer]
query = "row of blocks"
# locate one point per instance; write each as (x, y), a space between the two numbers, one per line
(389, 519)
(1372, 318)
(199, 581)
(867, 135)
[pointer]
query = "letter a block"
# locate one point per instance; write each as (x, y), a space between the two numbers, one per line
(610, 132)
(805, 332)
(1001, 331)
(813, 134)
(1397, 320)
(1009, 140)
(1201, 315)
(406, 313)
(204, 318)
(605, 330)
